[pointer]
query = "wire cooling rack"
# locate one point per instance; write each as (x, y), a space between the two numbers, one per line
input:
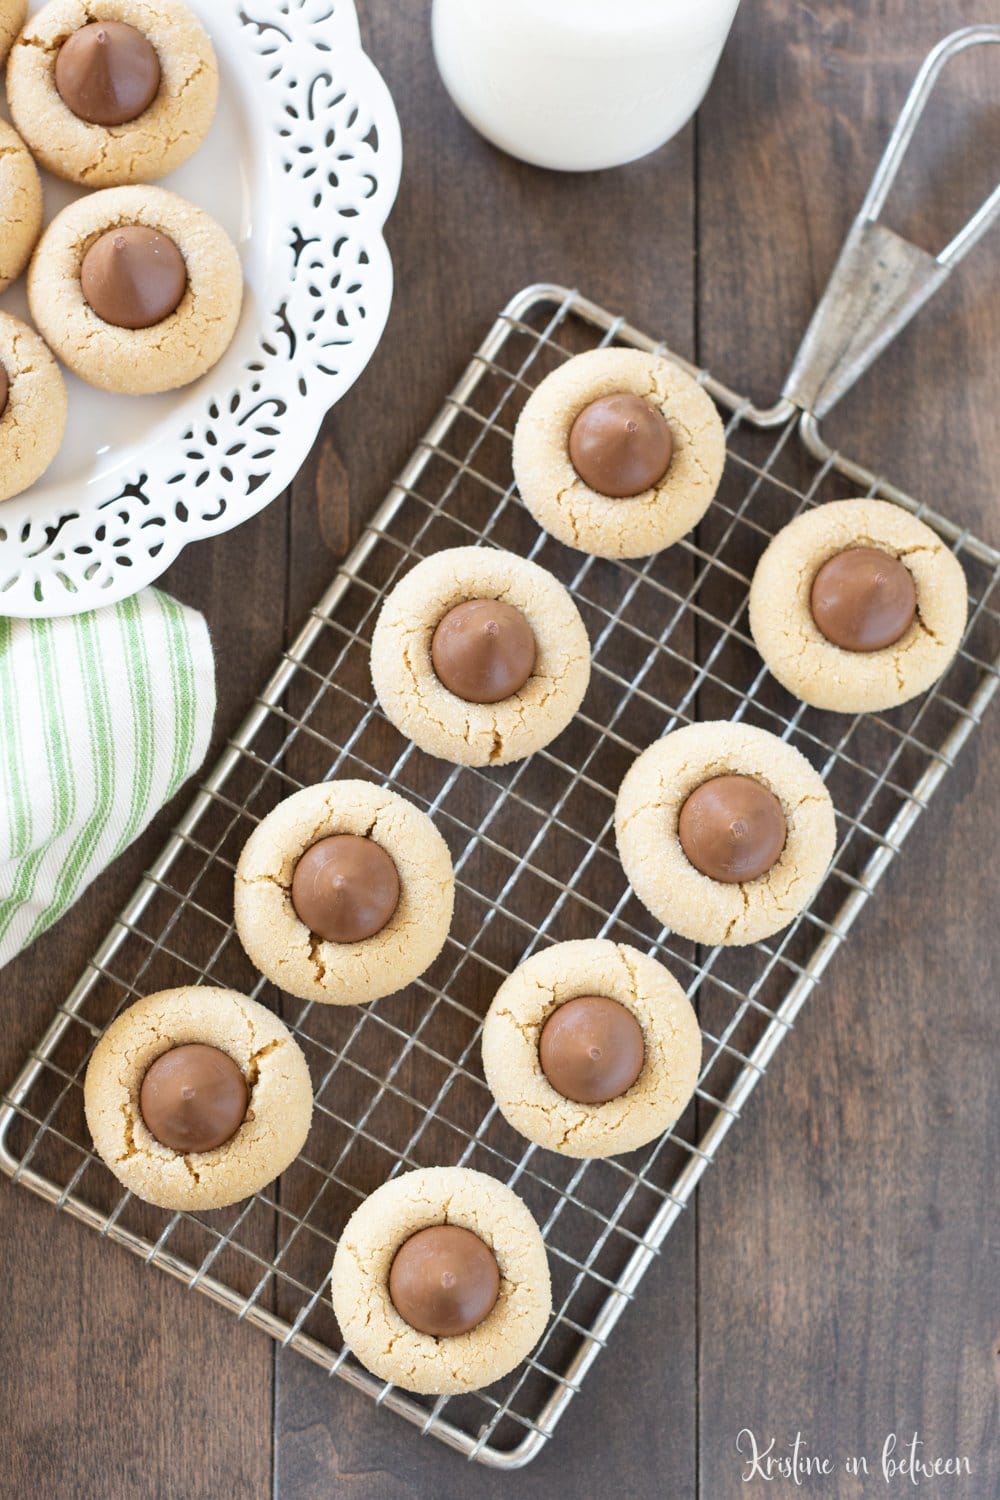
(399, 1083)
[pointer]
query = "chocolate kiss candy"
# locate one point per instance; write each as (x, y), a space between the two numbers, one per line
(107, 73)
(732, 829)
(4, 390)
(133, 277)
(863, 599)
(444, 1280)
(483, 650)
(193, 1098)
(621, 446)
(345, 888)
(591, 1049)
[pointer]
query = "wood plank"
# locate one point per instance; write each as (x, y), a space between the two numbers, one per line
(845, 1286)
(117, 1384)
(470, 228)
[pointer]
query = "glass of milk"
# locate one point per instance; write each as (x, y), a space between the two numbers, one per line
(579, 84)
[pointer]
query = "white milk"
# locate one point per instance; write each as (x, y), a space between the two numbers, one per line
(579, 84)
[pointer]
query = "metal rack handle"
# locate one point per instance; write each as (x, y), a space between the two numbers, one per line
(881, 279)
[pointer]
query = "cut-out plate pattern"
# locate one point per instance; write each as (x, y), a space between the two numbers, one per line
(301, 167)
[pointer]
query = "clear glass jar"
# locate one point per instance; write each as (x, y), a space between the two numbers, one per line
(579, 84)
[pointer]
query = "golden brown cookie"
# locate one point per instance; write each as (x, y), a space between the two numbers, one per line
(344, 972)
(32, 407)
(817, 669)
(668, 1062)
(578, 512)
(12, 14)
(141, 149)
(648, 816)
(382, 1339)
(20, 205)
(278, 1108)
(171, 352)
(439, 720)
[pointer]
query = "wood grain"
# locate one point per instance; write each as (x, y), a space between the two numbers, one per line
(115, 1383)
(847, 1284)
(836, 1275)
(453, 274)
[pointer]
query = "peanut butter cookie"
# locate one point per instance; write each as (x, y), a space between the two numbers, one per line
(480, 657)
(109, 92)
(20, 205)
(724, 831)
(12, 14)
(591, 1048)
(857, 606)
(618, 452)
(440, 1282)
(32, 407)
(136, 290)
(197, 1097)
(344, 893)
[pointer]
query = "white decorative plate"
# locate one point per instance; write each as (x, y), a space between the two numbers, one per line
(301, 167)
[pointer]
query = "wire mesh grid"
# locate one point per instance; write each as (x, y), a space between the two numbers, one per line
(399, 1084)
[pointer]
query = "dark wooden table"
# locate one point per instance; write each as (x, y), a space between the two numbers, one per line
(837, 1275)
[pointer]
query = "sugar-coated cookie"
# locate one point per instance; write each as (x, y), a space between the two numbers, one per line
(648, 441)
(362, 1281)
(32, 406)
(352, 963)
(20, 205)
(109, 92)
(859, 604)
(165, 283)
(536, 616)
(710, 903)
(528, 1084)
(278, 1098)
(12, 14)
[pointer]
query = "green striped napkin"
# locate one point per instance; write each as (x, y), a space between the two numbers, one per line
(102, 717)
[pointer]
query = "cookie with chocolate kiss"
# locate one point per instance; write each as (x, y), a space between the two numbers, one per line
(479, 656)
(591, 1048)
(618, 452)
(136, 290)
(441, 1282)
(725, 832)
(109, 100)
(344, 893)
(857, 606)
(197, 1097)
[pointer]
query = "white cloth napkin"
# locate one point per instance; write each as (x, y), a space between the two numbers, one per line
(102, 717)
